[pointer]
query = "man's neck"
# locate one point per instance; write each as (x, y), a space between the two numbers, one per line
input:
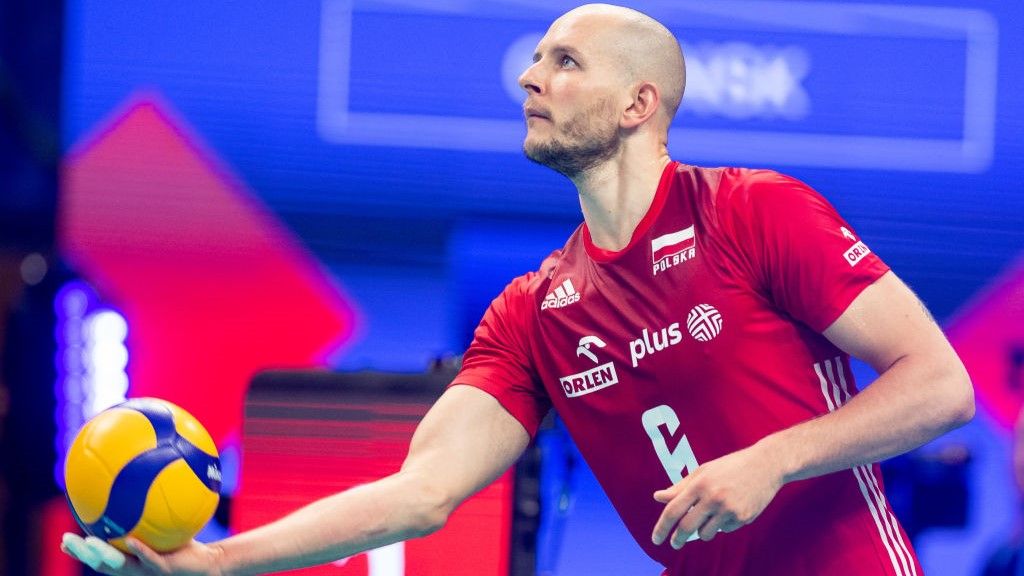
(616, 195)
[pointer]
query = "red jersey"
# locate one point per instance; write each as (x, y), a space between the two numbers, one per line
(696, 340)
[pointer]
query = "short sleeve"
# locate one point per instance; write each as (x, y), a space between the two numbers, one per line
(810, 262)
(498, 359)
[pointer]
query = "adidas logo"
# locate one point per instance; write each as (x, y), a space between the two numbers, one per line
(561, 296)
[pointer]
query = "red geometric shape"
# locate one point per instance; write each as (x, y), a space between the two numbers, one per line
(213, 287)
(988, 333)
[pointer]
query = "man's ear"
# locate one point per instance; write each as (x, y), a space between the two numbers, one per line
(646, 101)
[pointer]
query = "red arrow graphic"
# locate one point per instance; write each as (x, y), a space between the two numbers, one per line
(214, 288)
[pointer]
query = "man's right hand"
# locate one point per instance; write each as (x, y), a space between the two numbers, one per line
(194, 559)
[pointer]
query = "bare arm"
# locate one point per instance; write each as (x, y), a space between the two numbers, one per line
(464, 443)
(922, 391)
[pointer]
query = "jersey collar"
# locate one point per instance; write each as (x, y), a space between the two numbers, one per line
(605, 256)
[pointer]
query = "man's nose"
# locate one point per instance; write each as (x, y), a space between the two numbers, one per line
(529, 80)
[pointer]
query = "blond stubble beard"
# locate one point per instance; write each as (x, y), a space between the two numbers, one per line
(586, 140)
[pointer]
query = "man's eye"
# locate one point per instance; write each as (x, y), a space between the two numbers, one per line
(567, 61)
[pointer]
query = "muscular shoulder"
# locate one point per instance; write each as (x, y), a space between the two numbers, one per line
(745, 192)
(525, 289)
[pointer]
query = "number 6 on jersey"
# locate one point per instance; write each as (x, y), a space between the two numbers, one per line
(674, 461)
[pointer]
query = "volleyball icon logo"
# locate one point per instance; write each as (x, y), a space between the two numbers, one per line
(144, 468)
(704, 322)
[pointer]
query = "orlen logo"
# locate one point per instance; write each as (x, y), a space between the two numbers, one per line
(656, 341)
(855, 254)
(591, 380)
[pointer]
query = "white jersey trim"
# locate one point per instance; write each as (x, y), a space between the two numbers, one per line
(833, 387)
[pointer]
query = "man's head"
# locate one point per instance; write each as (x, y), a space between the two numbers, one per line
(600, 74)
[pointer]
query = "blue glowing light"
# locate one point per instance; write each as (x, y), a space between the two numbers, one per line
(91, 361)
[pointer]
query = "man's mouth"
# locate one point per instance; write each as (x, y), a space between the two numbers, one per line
(534, 112)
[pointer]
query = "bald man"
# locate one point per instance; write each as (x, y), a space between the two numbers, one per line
(694, 333)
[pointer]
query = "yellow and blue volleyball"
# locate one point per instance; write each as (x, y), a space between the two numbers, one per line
(146, 469)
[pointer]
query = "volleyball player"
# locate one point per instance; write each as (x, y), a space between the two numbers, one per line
(694, 334)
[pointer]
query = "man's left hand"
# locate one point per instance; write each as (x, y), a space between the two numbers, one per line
(720, 496)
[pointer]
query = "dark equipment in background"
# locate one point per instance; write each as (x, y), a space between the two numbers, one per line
(310, 433)
(28, 450)
(928, 488)
(31, 51)
(30, 94)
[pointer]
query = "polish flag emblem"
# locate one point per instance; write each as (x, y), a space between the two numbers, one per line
(672, 244)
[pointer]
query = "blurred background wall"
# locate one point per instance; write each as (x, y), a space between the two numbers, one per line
(194, 192)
